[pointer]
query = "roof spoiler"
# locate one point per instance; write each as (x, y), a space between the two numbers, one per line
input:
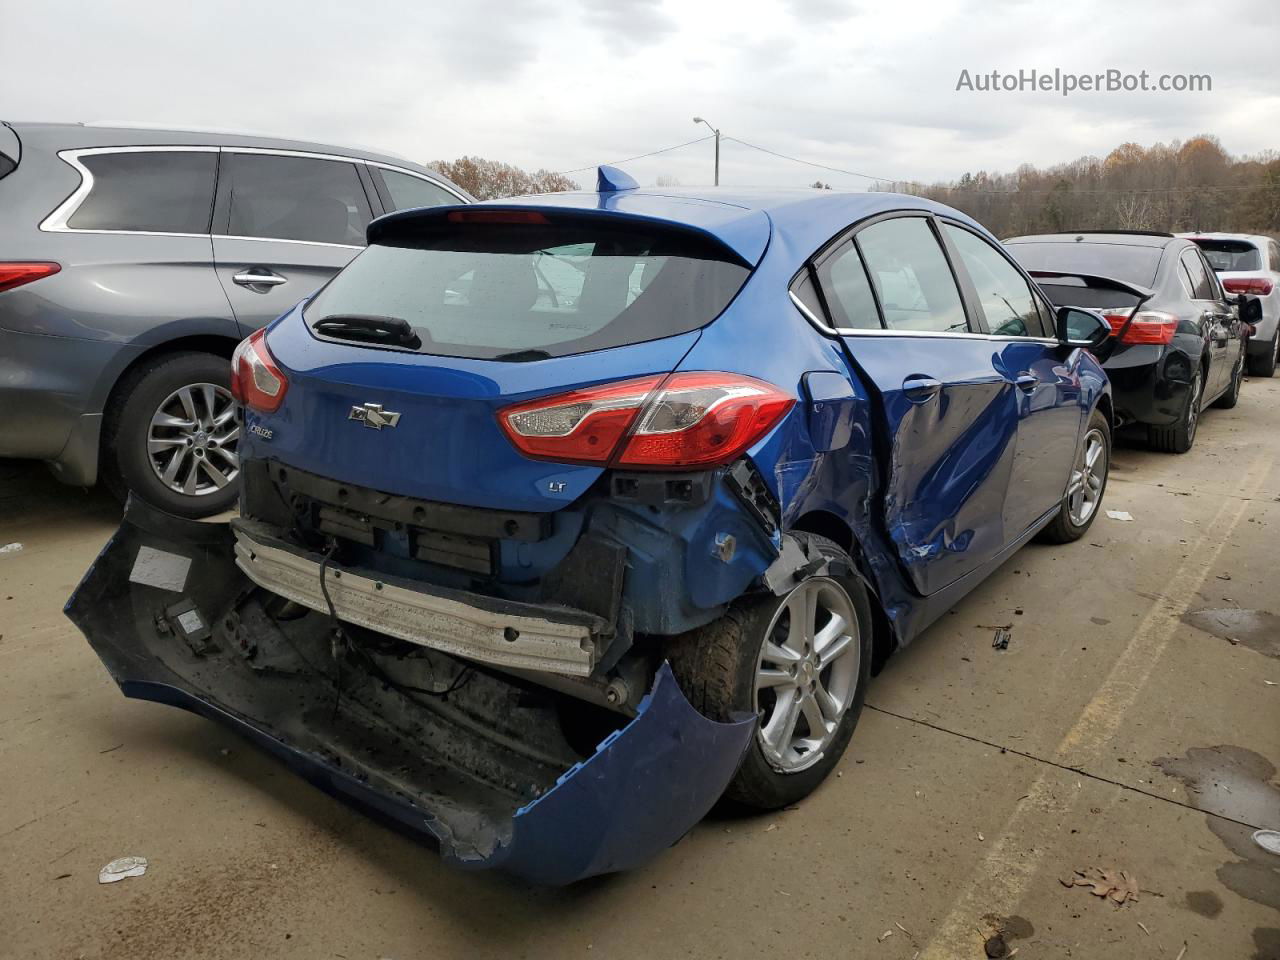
(1096, 282)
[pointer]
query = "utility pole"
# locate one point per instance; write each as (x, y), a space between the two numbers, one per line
(717, 133)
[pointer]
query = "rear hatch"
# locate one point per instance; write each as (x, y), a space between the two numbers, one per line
(396, 370)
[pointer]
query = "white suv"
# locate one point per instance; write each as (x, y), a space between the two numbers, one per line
(1249, 264)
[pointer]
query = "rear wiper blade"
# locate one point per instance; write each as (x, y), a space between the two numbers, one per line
(368, 329)
(523, 356)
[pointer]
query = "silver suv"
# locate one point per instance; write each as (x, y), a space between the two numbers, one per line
(1247, 263)
(132, 261)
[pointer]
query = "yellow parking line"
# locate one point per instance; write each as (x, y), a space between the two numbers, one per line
(1002, 877)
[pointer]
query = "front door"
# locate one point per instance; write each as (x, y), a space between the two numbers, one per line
(1047, 390)
(947, 413)
(287, 224)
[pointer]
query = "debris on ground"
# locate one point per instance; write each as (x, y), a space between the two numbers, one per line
(122, 868)
(1111, 884)
(1119, 515)
(1001, 640)
(995, 947)
(884, 936)
(1268, 840)
(11, 548)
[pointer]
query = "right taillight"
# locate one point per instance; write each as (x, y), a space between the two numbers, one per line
(1257, 286)
(256, 381)
(16, 274)
(680, 421)
(1149, 326)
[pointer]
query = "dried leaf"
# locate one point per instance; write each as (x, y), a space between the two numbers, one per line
(1110, 884)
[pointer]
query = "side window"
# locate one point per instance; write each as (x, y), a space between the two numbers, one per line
(151, 191)
(1006, 298)
(806, 294)
(295, 198)
(404, 191)
(912, 278)
(844, 279)
(1201, 288)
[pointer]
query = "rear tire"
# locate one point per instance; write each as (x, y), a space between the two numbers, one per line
(736, 665)
(1179, 437)
(136, 452)
(1232, 396)
(1265, 365)
(1075, 516)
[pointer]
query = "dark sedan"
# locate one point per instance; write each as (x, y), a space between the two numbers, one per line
(1180, 337)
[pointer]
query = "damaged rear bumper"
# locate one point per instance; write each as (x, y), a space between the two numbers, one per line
(485, 772)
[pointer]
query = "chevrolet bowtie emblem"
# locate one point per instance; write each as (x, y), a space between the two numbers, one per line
(372, 415)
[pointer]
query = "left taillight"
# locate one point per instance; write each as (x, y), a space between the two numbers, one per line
(15, 274)
(680, 421)
(1149, 326)
(256, 381)
(1257, 286)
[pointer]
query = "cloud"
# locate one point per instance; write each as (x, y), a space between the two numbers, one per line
(545, 83)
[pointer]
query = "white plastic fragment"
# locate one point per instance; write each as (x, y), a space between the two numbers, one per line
(1119, 515)
(11, 548)
(121, 868)
(1268, 840)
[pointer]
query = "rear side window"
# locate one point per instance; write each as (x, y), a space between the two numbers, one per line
(1006, 298)
(1227, 255)
(1197, 278)
(530, 290)
(404, 191)
(1119, 261)
(155, 191)
(844, 277)
(295, 198)
(912, 278)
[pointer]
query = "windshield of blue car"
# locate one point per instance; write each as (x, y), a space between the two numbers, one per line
(1227, 256)
(1120, 261)
(532, 290)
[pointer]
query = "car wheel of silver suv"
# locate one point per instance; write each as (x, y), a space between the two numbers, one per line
(172, 436)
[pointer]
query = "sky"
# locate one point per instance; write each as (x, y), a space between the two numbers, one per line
(865, 87)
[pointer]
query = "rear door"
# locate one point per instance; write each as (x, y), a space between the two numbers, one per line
(949, 414)
(284, 224)
(1047, 394)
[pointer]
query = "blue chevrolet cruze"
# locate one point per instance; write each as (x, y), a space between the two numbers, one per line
(565, 516)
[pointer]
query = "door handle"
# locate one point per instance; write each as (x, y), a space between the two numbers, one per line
(1027, 381)
(920, 388)
(258, 277)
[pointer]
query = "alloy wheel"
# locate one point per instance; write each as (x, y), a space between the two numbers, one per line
(1088, 477)
(807, 674)
(192, 440)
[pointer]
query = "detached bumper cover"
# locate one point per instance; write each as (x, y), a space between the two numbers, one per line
(641, 790)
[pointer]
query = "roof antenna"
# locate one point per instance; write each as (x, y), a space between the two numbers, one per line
(611, 180)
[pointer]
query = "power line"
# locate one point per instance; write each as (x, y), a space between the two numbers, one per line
(810, 163)
(651, 153)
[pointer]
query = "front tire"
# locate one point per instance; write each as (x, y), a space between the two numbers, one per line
(1086, 485)
(171, 436)
(801, 663)
(1179, 437)
(1265, 365)
(1232, 396)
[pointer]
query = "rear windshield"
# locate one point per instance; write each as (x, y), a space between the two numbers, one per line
(1228, 255)
(1132, 264)
(528, 291)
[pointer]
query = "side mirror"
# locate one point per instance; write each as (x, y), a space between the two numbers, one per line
(1250, 309)
(1084, 328)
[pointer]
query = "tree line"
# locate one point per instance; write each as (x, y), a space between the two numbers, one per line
(493, 179)
(1172, 187)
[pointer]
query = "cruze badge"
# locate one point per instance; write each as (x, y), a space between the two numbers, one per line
(373, 416)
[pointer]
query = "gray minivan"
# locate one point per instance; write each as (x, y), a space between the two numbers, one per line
(133, 260)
